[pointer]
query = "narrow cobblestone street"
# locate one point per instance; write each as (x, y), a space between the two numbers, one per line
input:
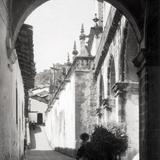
(40, 148)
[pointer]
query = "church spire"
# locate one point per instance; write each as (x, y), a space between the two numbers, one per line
(68, 58)
(74, 46)
(82, 38)
(82, 29)
(82, 35)
(75, 52)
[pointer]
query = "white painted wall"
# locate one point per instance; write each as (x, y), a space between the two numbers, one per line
(11, 134)
(62, 116)
(39, 107)
(32, 116)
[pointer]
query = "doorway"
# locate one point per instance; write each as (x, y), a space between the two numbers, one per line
(40, 118)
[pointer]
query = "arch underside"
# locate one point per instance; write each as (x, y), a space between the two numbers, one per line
(132, 9)
(21, 9)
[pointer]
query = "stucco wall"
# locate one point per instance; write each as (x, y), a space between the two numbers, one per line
(11, 134)
(84, 103)
(73, 111)
(38, 106)
(132, 121)
(60, 122)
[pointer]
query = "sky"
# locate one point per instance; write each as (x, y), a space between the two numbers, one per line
(56, 24)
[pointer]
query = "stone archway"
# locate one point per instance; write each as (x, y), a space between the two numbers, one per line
(133, 10)
(21, 9)
(134, 13)
(148, 65)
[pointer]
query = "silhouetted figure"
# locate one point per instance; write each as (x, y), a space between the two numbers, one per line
(34, 125)
(25, 148)
(81, 151)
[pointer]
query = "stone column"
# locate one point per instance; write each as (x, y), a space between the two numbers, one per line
(120, 95)
(148, 63)
(127, 103)
(122, 89)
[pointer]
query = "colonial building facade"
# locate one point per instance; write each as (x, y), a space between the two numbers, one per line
(116, 78)
(99, 89)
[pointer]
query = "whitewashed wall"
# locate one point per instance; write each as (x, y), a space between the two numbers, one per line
(60, 122)
(38, 107)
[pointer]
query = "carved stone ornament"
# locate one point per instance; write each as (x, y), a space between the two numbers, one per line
(125, 87)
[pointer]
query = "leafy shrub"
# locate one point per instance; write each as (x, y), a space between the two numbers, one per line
(111, 139)
(106, 143)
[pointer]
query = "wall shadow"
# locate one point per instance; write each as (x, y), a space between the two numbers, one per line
(67, 151)
(34, 131)
(46, 154)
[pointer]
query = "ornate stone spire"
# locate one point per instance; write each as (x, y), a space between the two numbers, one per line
(82, 29)
(75, 52)
(82, 38)
(82, 35)
(68, 60)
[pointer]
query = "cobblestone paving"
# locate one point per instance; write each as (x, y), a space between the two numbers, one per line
(40, 148)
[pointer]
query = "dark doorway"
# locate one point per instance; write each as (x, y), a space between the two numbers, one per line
(40, 118)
